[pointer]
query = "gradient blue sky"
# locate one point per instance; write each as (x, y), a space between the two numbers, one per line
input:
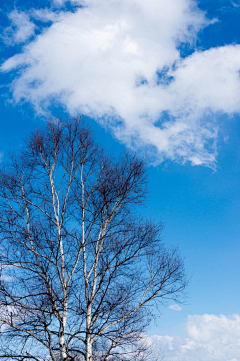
(194, 178)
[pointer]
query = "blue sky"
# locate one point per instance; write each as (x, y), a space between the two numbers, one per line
(162, 78)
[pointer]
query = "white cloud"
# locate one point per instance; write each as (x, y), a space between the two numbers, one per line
(103, 60)
(235, 4)
(20, 30)
(59, 2)
(46, 15)
(175, 307)
(209, 337)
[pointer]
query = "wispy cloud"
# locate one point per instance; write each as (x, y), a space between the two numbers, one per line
(20, 30)
(235, 4)
(119, 62)
(175, 307)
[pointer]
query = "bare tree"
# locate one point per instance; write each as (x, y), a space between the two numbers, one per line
(80, 269)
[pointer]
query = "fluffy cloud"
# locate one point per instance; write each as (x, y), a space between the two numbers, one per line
(209, 337)
(119, 63)
(20, 30)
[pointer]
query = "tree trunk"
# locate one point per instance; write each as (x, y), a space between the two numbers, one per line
(89, 349)
(88, 336)
(63, 350)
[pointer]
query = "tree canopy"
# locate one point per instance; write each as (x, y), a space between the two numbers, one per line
(80, 268)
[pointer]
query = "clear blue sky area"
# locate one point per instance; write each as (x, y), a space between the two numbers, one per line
(199, 206)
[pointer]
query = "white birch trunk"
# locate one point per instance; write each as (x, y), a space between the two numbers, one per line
(88, 335)
(63, 350)
(62, 344)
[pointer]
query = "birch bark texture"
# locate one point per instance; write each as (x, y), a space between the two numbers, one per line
(81, 271)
